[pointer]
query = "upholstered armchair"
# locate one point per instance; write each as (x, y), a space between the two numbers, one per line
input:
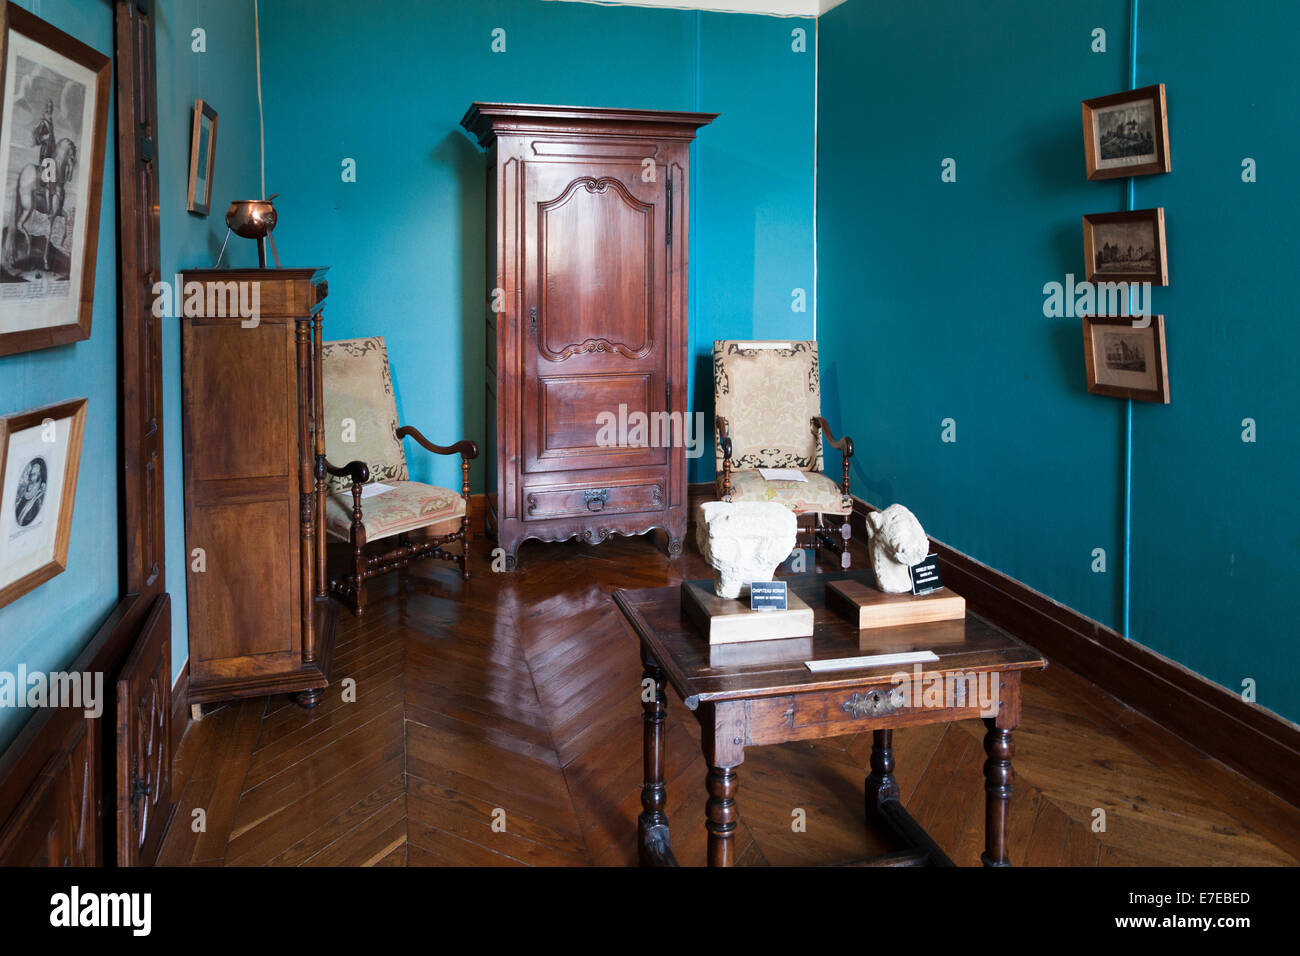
(767, 396)
(372, 499)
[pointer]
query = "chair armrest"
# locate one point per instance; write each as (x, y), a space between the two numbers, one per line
(845, 444)
(724, 435)
(465, 448)
(358, 471)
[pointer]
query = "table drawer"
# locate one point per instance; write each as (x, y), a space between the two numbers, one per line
(576, 501)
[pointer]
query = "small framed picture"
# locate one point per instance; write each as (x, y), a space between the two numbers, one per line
(40, 452)
(203, 157)
(1125, 357)
(54, 99)
(1126, 246)
(1126, 134)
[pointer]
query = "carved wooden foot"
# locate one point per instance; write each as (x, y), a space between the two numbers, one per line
(308, 699)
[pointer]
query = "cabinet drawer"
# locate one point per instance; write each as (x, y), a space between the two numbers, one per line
(569, 501)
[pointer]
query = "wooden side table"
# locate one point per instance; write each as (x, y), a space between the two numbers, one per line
(743, 705)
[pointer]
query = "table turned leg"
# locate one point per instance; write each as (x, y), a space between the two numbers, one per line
(652, 824)
(998, 778)
(721, 815)
(881, 785)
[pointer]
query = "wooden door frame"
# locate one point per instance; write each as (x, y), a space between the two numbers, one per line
(39, 754)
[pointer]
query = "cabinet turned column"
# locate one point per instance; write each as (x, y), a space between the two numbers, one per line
(306, 486)
(318, 418)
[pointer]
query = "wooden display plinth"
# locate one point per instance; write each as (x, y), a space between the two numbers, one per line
(730, 621)
(869, 608)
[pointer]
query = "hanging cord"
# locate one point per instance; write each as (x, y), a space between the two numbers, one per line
(261, 122)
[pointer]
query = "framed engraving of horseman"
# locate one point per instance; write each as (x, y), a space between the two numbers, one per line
(53, 123)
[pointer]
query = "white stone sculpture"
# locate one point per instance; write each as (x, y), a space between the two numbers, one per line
(897, 542)
(744, 541)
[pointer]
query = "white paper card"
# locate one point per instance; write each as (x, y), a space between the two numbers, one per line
(872, 660)
(375, 488)
(783, 474)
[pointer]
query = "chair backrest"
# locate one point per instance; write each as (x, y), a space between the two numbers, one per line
(360, 404)
(769, 392)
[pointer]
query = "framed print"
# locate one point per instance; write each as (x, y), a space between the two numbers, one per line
(40, 452)
(1124, 359)
(203, 155)
(1126, 246)
(54, 97)
(1126, 134)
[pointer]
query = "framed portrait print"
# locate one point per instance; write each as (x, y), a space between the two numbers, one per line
(1126, 359)
(54, 96)
(40, 452)
(1126, 246)
(203, 155)
(1126, 134)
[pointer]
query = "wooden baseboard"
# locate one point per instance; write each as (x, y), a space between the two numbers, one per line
(180, 705)
(1252, 740)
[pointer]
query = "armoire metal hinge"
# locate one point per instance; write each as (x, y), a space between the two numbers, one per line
(668, 230)
(668, 396)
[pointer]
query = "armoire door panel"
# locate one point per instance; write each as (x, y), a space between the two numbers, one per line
(246, 373)
(595, 292)
(595, 264)
(595, 421)
(250, 550)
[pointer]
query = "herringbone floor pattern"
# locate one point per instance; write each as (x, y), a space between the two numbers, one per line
(497, 723)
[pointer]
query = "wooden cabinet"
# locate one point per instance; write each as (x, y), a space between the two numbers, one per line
(587, 251)
(260, 619)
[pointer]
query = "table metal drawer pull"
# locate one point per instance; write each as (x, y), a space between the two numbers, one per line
(874, 703)
(596, 498)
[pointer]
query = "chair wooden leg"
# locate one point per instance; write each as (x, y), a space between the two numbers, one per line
(464, 548)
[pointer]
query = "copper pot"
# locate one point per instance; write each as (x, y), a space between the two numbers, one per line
(252, 218)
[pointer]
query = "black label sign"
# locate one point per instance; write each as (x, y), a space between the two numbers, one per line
(925, 576)
(767, 596)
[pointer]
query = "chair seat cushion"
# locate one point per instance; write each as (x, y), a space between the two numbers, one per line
(408, 506)
(817, 494)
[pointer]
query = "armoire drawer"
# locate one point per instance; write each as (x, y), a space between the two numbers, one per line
(548, 502)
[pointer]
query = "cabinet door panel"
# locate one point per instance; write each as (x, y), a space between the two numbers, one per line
(593, 312)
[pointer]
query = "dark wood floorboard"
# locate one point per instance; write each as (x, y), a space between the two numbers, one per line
(497, 723)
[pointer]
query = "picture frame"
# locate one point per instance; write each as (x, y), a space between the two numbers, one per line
(54, 102)
(1126, 134)
(40, 456)
(203, 156)
(1124, 357)
(1126, 246)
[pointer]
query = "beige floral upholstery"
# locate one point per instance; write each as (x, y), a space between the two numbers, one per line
(408, 506)
(769, 392)
(359, 388)
(817, 494)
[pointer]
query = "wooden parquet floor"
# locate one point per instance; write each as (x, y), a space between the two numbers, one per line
(497, 723)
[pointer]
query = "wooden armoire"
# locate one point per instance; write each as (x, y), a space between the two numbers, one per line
(587, 263)
(260, 617)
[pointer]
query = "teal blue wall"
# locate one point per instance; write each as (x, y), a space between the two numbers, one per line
(1216, 527)
(930, 307)
(224, 76)
(404, 243)
(47, 627)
